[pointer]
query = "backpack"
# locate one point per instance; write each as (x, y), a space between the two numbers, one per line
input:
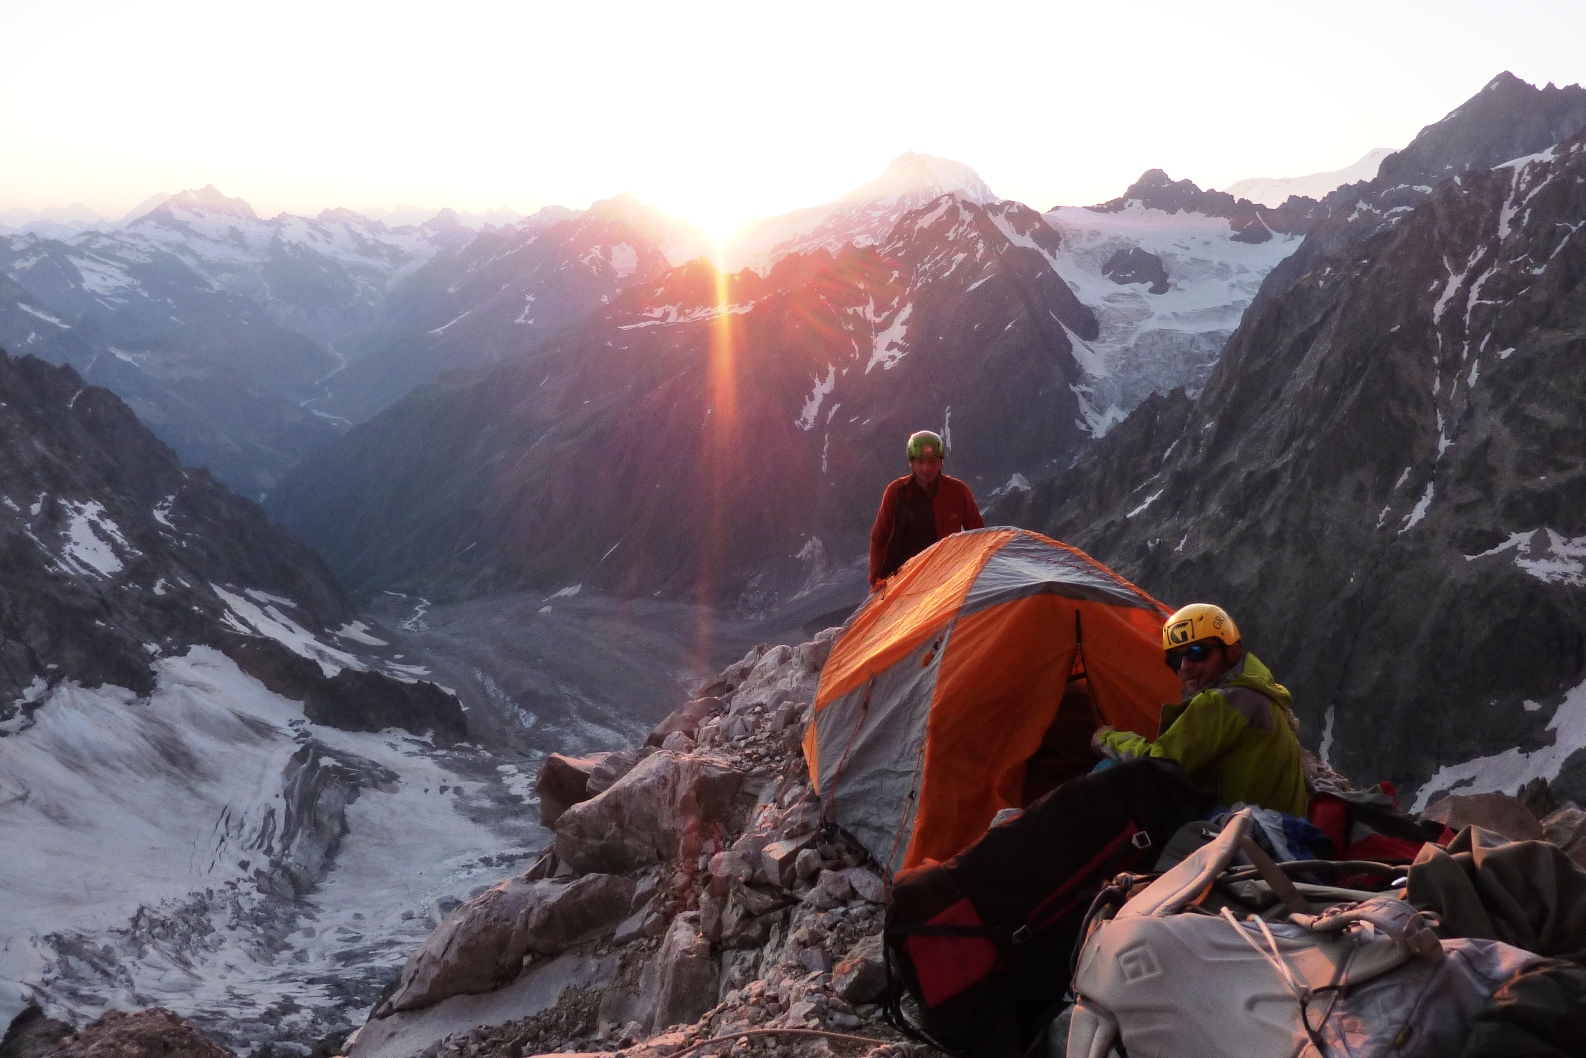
(1165, 976)
(983, 943)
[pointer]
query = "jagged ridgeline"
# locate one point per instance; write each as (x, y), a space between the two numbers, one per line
(1386, 473)
(706, 429)
(115, 556)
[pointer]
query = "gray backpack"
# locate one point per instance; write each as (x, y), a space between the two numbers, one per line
(1184, 970)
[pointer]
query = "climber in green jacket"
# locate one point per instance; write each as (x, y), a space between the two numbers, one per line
(1234, 731)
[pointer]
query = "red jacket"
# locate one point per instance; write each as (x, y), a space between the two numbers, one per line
(954, 506)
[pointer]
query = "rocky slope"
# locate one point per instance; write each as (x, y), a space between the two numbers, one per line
(1382, 479)
(1507, 119)
(687, 895)
(692, 894)
(201, 748)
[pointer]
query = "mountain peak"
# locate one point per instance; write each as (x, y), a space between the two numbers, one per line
(343, 215)
(209, 199)
(1509, 118)
(625, 206)
(913, 174)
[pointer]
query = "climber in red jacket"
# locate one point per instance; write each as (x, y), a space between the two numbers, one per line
(920, 509)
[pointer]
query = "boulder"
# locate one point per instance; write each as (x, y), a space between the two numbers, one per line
(741, 930)
(837, 885)
(563, 782)
(481, 945)
(726, 868)
(614, 766)
(733, 675)
(862, 974)
(802, 818)
(811, 656)
(1497, 812)
(685, 975)
(807, 864)
(779, 859)
(644, 816)
(578, 911)
(758, 899)
(685, 719)
(866, 884)
(678, 743)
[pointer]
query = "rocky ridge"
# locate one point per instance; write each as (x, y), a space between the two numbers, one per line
(690, 893)
(1507, 119)
(1382, 481)
(693, 894)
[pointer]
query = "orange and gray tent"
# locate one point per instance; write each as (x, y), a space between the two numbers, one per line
(942, 685)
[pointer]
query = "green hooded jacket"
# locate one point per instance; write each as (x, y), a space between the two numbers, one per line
(1233, 739)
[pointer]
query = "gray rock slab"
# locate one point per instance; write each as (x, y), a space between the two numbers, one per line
(407, 1033)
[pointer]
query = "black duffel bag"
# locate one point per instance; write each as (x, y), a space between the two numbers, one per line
(984, 942)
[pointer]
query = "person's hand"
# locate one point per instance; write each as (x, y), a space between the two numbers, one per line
(875, 584)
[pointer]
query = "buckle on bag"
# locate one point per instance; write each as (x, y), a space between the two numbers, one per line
(1141, 840)
(1023, 935)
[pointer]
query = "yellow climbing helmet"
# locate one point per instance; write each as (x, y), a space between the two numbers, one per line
(1199, 620)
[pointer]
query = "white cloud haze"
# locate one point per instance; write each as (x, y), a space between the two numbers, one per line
(720, 111)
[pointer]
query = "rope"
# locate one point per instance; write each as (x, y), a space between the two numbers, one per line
(1301, 990)
(839, 1037)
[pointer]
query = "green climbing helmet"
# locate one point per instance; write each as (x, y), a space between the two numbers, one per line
(925, 443)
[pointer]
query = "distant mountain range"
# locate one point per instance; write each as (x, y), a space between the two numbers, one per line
(598, 451)
(248, 342)
(1274, 191)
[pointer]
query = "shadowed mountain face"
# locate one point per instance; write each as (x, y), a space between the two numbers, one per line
(1385, 483)
(710, 424)
(1507, 119)
(115, 557)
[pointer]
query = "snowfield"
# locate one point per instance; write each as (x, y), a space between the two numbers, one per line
(1156, 342)
(139, 835)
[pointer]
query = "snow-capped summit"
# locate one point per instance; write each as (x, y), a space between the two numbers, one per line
(210, 200)
(863, 217)
(923, 177)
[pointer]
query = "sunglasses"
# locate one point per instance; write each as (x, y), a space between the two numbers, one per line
(1196, 652)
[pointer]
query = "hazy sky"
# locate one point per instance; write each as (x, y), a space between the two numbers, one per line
(720, 111)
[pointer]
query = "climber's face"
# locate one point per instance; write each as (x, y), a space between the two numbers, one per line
(1203, 663)
(927, 469)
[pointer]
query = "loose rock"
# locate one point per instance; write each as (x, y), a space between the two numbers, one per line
(644, 816)
(862, 975)
(563, 782)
